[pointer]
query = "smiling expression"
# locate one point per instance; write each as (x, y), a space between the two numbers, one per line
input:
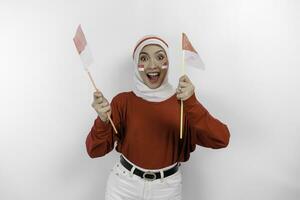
(153, 65)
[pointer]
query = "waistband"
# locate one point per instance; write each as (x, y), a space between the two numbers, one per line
(145, 169)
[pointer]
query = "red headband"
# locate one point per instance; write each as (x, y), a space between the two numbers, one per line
(147, 38)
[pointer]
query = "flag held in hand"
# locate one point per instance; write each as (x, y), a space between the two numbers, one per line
(83, 48)
(190, 55)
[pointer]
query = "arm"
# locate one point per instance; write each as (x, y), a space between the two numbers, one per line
(102, 137)
(206, 130)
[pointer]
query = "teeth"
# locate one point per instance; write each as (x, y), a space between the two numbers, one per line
(153, 74)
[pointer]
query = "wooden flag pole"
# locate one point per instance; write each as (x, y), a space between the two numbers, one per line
(181, 118)
(91, 78)
(181, 102)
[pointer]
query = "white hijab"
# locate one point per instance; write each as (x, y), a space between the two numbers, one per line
(165, 90)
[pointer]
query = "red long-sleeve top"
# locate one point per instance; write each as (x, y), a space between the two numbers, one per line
(149, 132)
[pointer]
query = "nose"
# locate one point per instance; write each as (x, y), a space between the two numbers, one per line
(152, 64)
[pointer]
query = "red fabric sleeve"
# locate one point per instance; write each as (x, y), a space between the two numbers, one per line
(101, 138)
(205, 130)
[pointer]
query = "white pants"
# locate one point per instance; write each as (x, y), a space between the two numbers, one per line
(124, 185)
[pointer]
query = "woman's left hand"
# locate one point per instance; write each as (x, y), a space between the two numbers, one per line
(185, 88)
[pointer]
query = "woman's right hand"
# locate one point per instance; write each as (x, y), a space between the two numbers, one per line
(101, 106)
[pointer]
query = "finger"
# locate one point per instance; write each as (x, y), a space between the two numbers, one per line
(105, 100)
(182, 95)
(105, 109)
(179, 96)
(99, 100)
(183, 84)
(184, 89)
(187, 79)
(103, 104)
(185, 92)
(181, 78)
(97, 95)
(178, 90)
(184, 78)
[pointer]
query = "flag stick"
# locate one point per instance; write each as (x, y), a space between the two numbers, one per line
(181, 116)
(91, 78)
(181, 102)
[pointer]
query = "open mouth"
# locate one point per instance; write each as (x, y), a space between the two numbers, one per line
(153, 76)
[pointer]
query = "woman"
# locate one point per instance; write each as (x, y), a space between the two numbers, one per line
(148, 124)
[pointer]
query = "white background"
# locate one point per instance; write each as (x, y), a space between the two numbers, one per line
(251, 83)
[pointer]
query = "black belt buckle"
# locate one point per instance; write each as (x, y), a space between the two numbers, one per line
(149, 173)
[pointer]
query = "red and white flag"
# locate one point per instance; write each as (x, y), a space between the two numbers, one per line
(83, 48)
(190, 55)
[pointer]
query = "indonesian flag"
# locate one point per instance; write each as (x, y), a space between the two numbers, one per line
(83, 48)
(190, 55)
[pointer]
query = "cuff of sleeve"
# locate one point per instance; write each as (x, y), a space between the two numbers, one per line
(192, 102)
(100, 125)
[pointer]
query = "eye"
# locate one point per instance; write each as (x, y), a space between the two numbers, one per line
(160, 56)
(143, 58)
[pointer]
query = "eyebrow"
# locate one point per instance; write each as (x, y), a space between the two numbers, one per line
(155, 52)
(159, 51)
(144, 53)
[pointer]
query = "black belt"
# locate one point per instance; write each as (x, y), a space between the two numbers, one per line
(148, 175)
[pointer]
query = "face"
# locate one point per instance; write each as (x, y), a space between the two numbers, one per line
(153, 65)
